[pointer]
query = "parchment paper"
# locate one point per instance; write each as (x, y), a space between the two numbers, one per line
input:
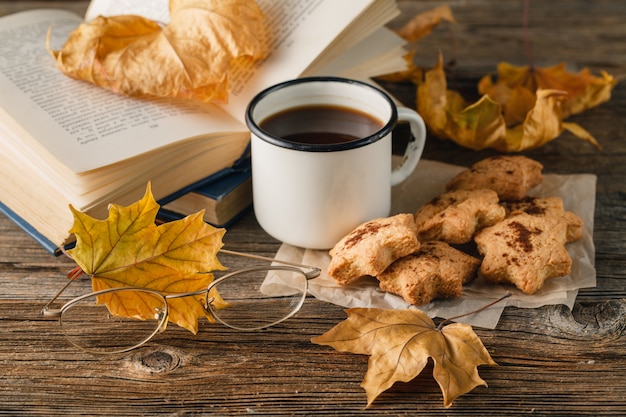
(428, 181)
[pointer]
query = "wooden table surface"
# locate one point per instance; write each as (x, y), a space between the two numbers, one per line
(552, 361)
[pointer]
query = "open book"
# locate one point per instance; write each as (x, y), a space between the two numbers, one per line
(64, 141)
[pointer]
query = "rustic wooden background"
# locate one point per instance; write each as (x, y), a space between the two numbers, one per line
(552, 361)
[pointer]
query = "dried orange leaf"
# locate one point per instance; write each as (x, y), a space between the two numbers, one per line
(583, 89)
(509, 117)
(424, 23)
(191, 57)
(400, 342)
(449, 116)
(479, 124)
(417, 28)
(433, 97)
(516, 101)
(129, 249)
(542, 124)
(581, 133)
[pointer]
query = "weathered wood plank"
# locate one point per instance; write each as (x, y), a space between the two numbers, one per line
(551, 361)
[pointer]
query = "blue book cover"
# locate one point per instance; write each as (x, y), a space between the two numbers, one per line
(225, 184)
(224, 199)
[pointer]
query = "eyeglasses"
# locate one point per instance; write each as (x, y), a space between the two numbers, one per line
(249, 299)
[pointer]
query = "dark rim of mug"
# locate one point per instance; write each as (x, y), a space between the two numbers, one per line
(312, 147)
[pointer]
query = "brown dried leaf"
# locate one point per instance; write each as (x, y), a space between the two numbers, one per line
(476, 126)
(417, 28)
(509, 117)
(581, 133)
(542, 124)
(584, 90)
(424, 23)
(189, 58)
(400, 342)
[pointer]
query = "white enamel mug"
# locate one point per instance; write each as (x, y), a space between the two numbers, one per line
(311, 195)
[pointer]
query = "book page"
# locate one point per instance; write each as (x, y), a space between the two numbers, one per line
(378, 13)
(300, 31)
(157, 10)
(85, 127)
(380, 53)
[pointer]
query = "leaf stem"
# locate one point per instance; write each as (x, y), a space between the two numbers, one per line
(75, 273)
(449, 320)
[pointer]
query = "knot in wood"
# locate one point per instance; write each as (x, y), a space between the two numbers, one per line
(157, 361)
(604, 320)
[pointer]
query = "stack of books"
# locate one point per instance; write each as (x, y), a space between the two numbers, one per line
(224, 198)
(64, 141)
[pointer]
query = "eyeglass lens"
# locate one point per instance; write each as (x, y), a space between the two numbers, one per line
(90, 325)
(259, 298)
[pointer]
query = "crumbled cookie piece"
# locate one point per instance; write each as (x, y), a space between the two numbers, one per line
(510, 176)
(524, 250)
(372, 247)
(549, 206)
(437, 270)
(455, 216)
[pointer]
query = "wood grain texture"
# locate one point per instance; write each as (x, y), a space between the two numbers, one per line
(552, 361)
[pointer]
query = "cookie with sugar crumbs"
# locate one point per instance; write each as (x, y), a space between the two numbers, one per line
(524, 250)
(455, 216)
(511, 176)
(437, 270)
(549, 206)
(372, 246)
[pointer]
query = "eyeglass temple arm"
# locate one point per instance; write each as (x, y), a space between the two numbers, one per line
(46, 311)
(312, 273)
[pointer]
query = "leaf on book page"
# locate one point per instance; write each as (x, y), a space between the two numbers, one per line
(400, 343)
(191, 57)
(129, 249)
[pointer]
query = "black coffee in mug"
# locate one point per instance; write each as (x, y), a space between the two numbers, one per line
(321, 124)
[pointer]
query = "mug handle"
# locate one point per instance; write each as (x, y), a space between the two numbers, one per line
(414, 148)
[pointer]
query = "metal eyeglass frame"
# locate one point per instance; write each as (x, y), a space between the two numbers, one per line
(312, 272)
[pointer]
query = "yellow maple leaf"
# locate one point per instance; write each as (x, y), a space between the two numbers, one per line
(189, 58)
(400, 342)
(129, 249)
